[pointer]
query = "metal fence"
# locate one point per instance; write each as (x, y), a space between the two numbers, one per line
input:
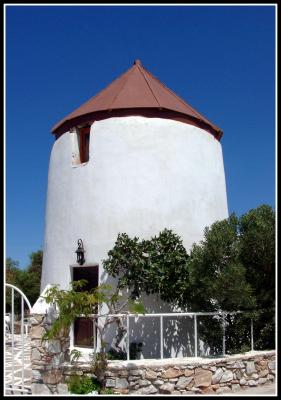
(222, 317)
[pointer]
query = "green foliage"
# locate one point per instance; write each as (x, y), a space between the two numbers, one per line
(99, 363)
(83, 384)
(107, 391)
(157, 266)
(257, 233)
(112, 354)
(232, 268)
(75, 302)
(74, 355)
(28, 280)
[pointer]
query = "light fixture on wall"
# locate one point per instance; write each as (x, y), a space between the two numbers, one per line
(80, 252)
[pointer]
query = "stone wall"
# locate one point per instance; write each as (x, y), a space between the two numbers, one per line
(187, 376)
(47, 357)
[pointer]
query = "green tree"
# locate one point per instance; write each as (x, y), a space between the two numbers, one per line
(158, 265)
(257, 253)
(231, 269)
(217, 277)
(28, 279)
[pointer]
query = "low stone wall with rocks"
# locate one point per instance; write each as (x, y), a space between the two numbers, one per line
(179, 376)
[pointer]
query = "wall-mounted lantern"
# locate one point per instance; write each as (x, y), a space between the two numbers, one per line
(80, 252)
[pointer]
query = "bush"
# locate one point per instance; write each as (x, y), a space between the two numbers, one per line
(83, 384)
(113, 354)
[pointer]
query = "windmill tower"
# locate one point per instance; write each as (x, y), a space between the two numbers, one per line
(135, 158)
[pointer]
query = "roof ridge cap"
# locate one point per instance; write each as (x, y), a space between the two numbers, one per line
(125, 81)
(178, 97)
(140, 67)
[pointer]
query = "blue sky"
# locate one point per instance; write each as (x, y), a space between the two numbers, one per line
(220, 59)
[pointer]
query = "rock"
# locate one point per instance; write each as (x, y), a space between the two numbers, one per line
(149, 374)
(121, 383)
(110, 383)
(238, 364)
(36, 332)
(183, 382)
(224, 389)
(188, 372)
(36, 376)
(243, 382)
(173, 380)
(143, 382)
(216, 386)
(65, 346)
(238, 374)
(270, 377)
(166, 388)
(110, 374)
(226, 377)
(123, 373)
(36, 363)
(255, 376)
(133, 378)
(136, 372)
(251, 382)
(62, 388)
(272, 365)
(208, 390)
(235, 387)
(52, 377)
(57, 360)
(213, 369)
(52, 346)
(36, 343)
(263, 364)
(122, 391)
(262, 381)
(171, 373)
(38, 388)
(217, 376)
(202, 377)
(158, 382)
(35, 354)
(250, 367)
(148, 390)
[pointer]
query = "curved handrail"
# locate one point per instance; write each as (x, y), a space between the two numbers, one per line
(23, 295)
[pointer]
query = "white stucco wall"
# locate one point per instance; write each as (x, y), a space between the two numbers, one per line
(143, 175)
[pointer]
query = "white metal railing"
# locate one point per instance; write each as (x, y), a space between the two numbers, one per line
(13, 288)
(222, 314)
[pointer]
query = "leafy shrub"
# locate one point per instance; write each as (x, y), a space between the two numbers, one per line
(83, 384)
(107, 391)
(113, 354)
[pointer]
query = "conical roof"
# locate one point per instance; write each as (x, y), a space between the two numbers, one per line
(136, 92)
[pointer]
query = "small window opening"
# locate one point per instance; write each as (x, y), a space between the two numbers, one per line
(84, 327)
(84, 143)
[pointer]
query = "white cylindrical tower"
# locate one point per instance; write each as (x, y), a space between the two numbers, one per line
(134, 159)
(137, 159)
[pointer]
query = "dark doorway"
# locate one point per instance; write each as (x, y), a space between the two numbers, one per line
(90, 274)
(84, 327)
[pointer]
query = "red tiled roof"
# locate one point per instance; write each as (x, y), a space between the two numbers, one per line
(138, 92)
